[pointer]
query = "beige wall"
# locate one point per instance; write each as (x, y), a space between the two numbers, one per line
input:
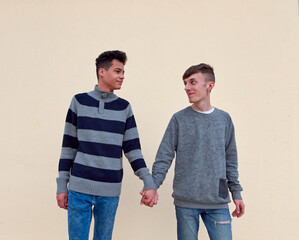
(47, 52)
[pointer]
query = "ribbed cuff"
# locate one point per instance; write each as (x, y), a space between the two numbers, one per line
(61, 185)
(148, 183)
(236, 195)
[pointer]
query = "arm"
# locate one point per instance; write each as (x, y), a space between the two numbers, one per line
(132, 151)
(232, 171)
(68, 153)
(166, 152)
(164, 157)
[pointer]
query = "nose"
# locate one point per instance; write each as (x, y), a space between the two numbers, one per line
(187, 87)
(122, 76)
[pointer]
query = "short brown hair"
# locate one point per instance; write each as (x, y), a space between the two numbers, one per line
(202, 68)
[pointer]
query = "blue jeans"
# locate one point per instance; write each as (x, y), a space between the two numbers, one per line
(80, 209)
(217, 222)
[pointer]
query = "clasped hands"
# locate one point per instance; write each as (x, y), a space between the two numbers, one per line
(149, 197)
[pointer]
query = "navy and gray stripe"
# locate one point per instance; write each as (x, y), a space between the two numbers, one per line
(99, 128)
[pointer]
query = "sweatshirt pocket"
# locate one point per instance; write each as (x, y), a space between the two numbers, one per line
(223, 188)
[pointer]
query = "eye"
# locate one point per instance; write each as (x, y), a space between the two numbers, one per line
(193, 82)
(185, 83)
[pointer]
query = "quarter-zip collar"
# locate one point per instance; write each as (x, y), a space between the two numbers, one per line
(101, 95)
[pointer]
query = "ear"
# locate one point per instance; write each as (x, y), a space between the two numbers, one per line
(211, 85)
(101, 72)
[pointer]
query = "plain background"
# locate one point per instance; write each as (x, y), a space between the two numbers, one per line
(47, 53)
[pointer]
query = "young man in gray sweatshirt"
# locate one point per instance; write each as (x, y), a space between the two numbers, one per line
(206, 166)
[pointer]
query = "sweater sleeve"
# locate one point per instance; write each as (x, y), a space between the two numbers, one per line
(166, 153)
(69, 148)
(232, 162)
(132, 151)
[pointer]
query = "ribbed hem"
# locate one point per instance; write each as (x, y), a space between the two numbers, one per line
(61, 185)
(182, 203)
(94, 188)
(148, 183)
(236, 195)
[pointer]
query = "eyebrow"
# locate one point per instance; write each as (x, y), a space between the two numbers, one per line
(190, 79)
(120, 69)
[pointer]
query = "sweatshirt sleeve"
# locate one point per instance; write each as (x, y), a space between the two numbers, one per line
(132, 151)
(232, 162)
(166, 153)
(69, 148)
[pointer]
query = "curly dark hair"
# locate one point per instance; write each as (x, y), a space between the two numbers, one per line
(105, 59)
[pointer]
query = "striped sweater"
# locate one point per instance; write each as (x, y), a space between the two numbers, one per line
(99, 128)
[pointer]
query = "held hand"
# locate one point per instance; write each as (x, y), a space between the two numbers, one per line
(62, 199)
(149, 197)
(240, 208)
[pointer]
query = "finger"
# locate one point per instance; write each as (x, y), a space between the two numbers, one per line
(234, 213)
(155, 201)
(151, 204)
(242, 210)
(147, 202)
(156, 198)
(65, 203)
(142, 193)
(237, 209)
(142, 200)
(62, 205)
(59, 202)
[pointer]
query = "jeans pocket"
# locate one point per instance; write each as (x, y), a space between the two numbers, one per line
(223, 188)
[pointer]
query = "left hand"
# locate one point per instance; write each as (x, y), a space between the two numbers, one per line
(149, 197)
(240, 208)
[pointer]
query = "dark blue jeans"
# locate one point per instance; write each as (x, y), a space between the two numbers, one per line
(217, 222)
(80, 209)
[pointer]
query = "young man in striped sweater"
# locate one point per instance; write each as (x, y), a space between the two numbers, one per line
(99, 128)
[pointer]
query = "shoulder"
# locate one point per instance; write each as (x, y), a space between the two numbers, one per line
(183, 112)
(80, 96)
(223, 117)
(86, 100)
(222, 113)
(122, 102)
(118, 104)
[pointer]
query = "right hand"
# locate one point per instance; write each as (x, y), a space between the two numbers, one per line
(62, 199)
(149, 197)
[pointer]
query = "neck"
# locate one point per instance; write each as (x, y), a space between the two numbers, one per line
(104, 88)
(202, 106)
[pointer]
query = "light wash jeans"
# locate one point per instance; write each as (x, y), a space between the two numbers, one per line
(217, 222)
(80, 209)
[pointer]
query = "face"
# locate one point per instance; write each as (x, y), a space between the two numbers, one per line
(198, 88)
(113, 78)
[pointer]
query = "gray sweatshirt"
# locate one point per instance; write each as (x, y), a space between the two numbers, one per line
(206, 163)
